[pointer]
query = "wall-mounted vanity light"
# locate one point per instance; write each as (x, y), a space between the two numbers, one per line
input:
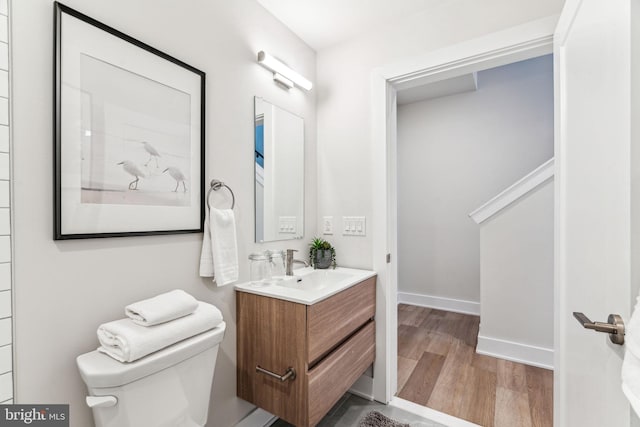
(282, 73)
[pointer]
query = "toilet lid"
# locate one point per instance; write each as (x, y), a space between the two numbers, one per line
(99, 370)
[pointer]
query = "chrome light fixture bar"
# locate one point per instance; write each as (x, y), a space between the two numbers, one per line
(283, 80)
(282, 73)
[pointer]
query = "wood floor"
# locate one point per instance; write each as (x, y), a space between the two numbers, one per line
(439, 368)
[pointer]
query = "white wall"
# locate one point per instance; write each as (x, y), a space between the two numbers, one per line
(344, 78)
(516, 301)
(63, 290)
(454, 154)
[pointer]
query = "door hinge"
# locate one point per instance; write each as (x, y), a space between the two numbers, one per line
(388, 258)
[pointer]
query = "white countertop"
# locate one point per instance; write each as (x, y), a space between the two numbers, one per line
(308, 286)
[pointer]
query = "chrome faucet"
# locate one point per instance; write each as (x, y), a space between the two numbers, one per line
(290, 261)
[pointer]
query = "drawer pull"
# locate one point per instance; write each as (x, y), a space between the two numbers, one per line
(290, 373)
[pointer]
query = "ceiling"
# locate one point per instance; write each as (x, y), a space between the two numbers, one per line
(322, 23)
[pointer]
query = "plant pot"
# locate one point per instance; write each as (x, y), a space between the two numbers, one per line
(322, 258)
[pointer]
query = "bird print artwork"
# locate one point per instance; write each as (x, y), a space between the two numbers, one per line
(131, 127)
(134, 170)
(153, 153)
(178, 176)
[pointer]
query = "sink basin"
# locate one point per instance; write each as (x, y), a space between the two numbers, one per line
(308, 286)
(316, 279)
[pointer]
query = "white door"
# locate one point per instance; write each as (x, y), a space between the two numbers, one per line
(594, 218)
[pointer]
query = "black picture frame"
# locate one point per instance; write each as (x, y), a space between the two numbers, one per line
(119, 103)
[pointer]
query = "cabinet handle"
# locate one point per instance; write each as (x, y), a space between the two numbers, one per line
(290, 373)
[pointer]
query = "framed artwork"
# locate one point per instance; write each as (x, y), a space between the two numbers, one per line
(129, 135)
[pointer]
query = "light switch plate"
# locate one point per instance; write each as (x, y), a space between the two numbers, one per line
(287, 224)
(327, 225)
(354, 226)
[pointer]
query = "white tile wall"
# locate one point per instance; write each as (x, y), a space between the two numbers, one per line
(5, 195)
(6, 288)
(4, 56)
(5, 222)
(4, 30)
(6, 386)
(5, 331)
(4, 83)
(4, 139)
(5, 249)
(4, 111)
(4, 166)
(5, 359)
(5, 276)
(5, 304)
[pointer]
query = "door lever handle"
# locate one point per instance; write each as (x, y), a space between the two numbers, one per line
(614, 326)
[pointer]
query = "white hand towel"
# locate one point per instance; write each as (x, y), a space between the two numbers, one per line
(219, 255)
(161, 308)
(631, 363)
(125, 341)
(206, 256)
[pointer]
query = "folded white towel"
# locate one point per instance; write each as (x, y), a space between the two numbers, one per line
(161, 308)
(125, 341)
(219, 255)
(631, 363)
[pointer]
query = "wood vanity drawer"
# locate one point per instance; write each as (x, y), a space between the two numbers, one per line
(330, 321)
(269, 337)
(332, 377)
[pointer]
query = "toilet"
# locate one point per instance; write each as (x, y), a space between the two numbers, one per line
(168, 388)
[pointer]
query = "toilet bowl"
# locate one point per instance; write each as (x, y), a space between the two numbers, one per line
(168, 388)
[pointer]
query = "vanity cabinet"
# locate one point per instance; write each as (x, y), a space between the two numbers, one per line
(329, 345)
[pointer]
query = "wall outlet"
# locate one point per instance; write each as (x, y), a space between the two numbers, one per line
(354, 226)
(327, 225)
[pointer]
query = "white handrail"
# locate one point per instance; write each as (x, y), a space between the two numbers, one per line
(538, 176)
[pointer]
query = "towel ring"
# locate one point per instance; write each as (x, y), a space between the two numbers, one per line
(215, 186)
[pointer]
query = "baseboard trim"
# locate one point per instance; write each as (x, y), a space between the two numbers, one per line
(440, 303)
(257, 418)
(516, 352)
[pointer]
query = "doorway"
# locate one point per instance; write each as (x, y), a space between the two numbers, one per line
(523, 42)
(457, 149)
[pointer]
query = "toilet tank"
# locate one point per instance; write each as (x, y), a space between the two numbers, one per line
(168, 388)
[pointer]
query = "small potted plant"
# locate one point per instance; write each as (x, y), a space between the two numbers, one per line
(321, 254)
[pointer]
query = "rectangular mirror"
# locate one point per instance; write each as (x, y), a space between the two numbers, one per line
(279, 173)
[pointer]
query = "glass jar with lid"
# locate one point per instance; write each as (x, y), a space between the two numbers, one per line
(276, 261)
(259, 268)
